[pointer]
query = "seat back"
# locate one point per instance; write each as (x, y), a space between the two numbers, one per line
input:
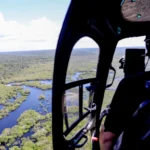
(137, 134)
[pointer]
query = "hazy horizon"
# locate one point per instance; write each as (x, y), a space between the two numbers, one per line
(73, 49)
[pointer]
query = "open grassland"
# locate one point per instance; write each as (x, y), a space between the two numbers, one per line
(27, 66)
(38, 65)
(24, 66)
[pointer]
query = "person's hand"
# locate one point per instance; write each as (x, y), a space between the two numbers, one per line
(106, 139)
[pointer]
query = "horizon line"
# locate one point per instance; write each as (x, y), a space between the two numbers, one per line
(55, 49)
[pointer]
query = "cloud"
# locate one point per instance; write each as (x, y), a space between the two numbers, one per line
(35, 40)
(132, 42)
(37, 34)
(43, 33)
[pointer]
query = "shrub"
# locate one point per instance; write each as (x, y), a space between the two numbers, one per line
(41, 97)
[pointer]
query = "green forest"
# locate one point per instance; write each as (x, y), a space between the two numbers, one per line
(21, 74)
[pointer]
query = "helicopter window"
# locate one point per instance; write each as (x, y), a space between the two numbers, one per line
(137, 42)
(136, 10)
(82, 65)
(83, 60)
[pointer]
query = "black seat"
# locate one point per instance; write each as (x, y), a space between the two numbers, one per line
(137, 135)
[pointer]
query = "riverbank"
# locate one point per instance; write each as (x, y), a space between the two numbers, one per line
(43, 84)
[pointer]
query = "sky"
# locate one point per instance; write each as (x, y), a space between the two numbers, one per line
(36, 24)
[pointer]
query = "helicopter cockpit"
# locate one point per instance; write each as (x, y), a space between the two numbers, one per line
(106, 22)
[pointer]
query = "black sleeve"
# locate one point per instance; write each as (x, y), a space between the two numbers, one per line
(125, 101)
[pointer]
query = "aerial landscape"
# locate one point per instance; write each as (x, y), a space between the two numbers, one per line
(28, 39)
(26, 89)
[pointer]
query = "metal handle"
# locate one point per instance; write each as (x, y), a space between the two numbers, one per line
(82, 144)
(74, 142)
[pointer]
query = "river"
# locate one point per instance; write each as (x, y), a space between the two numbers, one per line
(32, 102)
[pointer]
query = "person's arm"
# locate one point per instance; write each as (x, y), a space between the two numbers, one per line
(125, 101)
(106, 139)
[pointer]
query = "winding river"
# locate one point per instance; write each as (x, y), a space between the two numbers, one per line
(32, 102)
